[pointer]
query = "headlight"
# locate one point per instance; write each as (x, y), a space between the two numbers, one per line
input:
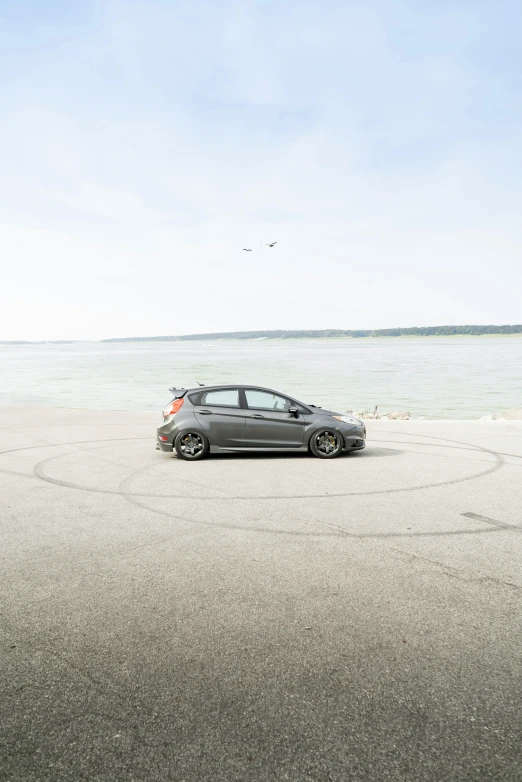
(348, 419)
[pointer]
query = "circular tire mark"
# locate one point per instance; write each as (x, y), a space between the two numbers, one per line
(38, 471)
(133, 499)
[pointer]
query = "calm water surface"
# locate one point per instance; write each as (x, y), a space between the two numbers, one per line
(438, 377)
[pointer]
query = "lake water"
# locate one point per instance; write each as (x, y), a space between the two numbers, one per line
(437, 377)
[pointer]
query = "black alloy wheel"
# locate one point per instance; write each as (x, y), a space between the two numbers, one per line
(326, 444)
(191, 446)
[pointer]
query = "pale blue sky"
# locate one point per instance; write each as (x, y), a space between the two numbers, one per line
(143, 144)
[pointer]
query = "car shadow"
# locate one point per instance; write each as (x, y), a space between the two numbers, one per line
(370, 452)
(375, 451)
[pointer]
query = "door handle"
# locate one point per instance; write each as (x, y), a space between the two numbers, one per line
(257, 416)
(205, 412)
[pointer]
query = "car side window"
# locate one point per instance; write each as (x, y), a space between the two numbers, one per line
(224, 397)
(266, 400)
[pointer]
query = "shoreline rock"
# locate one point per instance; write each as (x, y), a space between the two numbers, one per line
(396, 415)
(515, 414)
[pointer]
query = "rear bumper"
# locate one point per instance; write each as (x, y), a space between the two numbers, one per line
(169, 430)
(166, 447)
(168, 444)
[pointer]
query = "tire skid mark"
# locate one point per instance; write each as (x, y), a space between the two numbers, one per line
(132, 498)
(74, 442)
(154, 466)
(38, 471)
(493, 522)
(32, 475)
(436, 445)
(364, 453)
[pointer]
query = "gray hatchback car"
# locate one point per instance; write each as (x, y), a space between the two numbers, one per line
(221, 419)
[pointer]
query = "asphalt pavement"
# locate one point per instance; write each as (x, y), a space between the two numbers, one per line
(254, 617)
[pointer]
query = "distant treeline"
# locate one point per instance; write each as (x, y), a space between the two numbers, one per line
(414, 331)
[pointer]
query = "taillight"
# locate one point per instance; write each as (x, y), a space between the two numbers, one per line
(173, 407)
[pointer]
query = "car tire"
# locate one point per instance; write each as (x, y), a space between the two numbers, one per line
(326, 444)
(191, 446)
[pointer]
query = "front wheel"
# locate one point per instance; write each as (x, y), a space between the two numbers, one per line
(191, 446)
(326, 444)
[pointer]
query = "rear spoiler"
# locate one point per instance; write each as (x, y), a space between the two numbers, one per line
(178, 392)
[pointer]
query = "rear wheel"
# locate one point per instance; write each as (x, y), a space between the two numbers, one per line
(326, 444)
(191, 446)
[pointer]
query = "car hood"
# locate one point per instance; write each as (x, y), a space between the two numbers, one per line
(322, 411)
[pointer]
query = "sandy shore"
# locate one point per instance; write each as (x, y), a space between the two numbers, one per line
(259, 618)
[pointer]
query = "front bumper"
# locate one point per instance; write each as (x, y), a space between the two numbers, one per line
(354, 438)
(354, 444)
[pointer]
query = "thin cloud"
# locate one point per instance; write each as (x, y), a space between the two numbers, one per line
(144, 145)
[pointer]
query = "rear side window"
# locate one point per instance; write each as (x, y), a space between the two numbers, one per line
(224, 397)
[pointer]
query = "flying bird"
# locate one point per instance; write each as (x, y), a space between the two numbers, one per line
(272, 244)
(247, 249)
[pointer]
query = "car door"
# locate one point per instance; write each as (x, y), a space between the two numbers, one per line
(268, 422)
(221, 417)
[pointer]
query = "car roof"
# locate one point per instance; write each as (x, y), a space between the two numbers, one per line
(235, 385)
(242, 385)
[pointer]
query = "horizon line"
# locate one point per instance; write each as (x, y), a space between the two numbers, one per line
(451, 330)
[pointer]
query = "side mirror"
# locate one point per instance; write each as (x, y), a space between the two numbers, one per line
(294, 411)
